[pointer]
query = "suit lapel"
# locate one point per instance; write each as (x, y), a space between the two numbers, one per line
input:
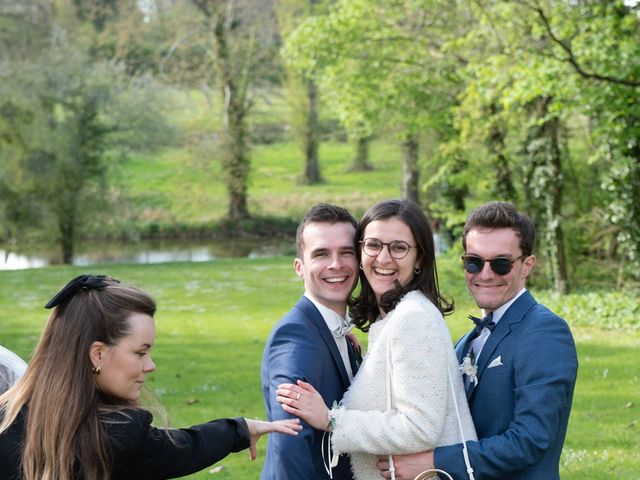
(462, 347)
(354, 358)
(312, 313)
(514, 314)
(501, 331)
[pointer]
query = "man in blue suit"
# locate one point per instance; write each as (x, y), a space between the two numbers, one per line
(309, 342)
(521, 361)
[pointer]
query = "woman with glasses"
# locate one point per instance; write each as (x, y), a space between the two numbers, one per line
(408, 393)
(76, 412)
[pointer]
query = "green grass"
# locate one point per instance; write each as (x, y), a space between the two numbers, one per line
(181, 187)
(214, 317)
(184, 185)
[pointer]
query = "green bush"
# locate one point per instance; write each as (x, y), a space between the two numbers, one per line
(615, 310)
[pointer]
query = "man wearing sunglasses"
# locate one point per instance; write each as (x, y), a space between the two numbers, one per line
(522, 357)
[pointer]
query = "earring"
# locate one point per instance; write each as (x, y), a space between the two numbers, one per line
(96, 370)
(360, 266)
(417, 270)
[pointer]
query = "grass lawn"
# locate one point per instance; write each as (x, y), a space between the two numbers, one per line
(184, 185)
(213, 320)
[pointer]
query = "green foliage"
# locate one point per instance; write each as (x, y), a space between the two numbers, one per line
(377, 64)
(614, 310)
(464, 79)
(69, 120)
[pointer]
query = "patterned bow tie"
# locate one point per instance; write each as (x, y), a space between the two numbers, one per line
(344, 327)
(482, 323)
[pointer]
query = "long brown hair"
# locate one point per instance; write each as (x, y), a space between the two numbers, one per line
(63, 433)
(364, 309)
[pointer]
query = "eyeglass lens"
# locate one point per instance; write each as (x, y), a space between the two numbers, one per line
(499, 265)
(397, 249)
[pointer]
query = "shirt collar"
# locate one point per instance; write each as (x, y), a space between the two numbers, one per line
(338, 324)
(500, 311)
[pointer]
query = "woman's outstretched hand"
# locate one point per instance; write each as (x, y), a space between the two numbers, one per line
(257, 428)
(304, 401)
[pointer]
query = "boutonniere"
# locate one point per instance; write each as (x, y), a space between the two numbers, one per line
(469, 368)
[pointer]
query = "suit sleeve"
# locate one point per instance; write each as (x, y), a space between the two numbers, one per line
(293, 356)
(545, 372)
(417, 351)
(169, 453)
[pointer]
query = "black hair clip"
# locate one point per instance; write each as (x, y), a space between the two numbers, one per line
(81, 282)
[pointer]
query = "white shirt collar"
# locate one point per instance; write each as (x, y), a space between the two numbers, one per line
(337, 324)
(499, 312)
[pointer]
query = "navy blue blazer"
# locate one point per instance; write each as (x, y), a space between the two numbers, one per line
(301, 346)
(521, 403)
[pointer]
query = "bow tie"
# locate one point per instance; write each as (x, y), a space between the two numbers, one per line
(344, 327)
(480, 324)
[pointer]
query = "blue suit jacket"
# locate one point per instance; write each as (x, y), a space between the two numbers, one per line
(301, 347)
(520, 408)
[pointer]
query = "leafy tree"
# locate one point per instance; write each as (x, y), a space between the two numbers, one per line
(68, 120)
(237, 48)
(382, 64)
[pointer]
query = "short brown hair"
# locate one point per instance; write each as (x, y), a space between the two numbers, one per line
(502, 215)
(322, 213)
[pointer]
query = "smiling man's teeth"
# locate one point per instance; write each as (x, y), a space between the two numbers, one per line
(384, 271)
(335, 279)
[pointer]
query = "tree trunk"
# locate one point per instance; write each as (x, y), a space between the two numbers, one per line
(236, 161)
(628, 193)
(555, 232)
(235, 150)
(410, 171)
(546, 185)
(67, 231)
(361, 161)
(503, 188)
(312, 168)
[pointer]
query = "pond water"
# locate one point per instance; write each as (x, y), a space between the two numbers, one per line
(160, 251)
(150, 251)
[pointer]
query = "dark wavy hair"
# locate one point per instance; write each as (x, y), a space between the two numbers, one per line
(364, 308)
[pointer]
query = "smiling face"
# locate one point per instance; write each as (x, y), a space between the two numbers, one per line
(328, 265)
(490, 290)
(383, 270)
(125, 365)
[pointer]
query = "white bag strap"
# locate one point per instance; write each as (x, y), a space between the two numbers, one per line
(465, 453)
(392, 469)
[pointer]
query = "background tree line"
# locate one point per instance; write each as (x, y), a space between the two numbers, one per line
(532, 101)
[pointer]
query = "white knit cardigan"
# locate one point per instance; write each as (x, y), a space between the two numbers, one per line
(413, 342)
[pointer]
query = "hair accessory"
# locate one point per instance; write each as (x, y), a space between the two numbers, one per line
(81, 282)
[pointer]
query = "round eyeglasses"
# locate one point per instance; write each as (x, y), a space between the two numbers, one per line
(398, 249)
(499, 265)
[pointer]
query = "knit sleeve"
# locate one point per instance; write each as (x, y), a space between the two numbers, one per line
(417, 359)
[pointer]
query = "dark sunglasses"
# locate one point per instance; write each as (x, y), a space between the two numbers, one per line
(499, 265)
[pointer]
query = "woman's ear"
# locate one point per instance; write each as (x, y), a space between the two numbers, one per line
(96, 352)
